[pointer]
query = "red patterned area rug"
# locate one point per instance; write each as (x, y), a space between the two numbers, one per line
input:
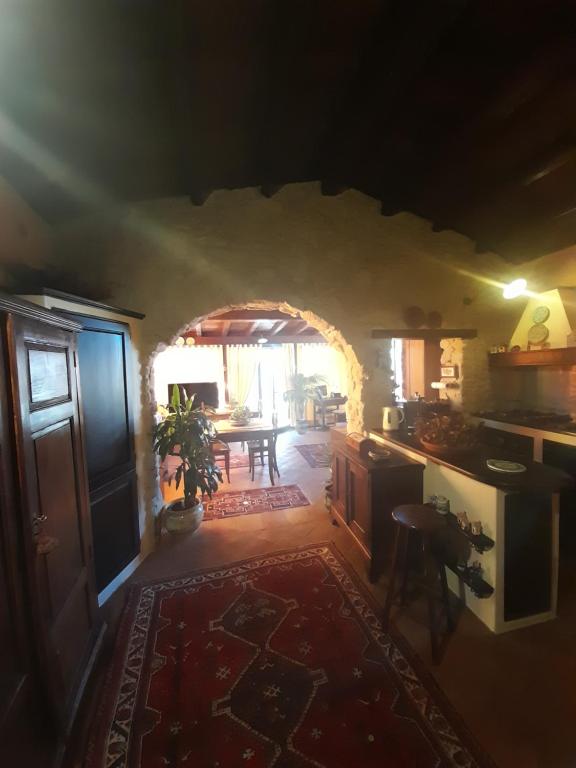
(277, 661)
(316, 454)
(231, 503)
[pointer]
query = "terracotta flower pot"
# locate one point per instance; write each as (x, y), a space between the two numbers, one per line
(178, 519)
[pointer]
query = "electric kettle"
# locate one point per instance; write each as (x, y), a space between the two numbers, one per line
(392, 417)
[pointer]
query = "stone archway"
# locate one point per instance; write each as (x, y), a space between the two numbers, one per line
(356, 376)
(332, 335)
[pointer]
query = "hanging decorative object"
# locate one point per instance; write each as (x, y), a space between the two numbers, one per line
(540, 315)
(414, 317)
(434, 319)
(538, 334)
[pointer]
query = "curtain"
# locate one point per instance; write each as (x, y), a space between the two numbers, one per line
(242, 373)
(288, 363)
(188, 365)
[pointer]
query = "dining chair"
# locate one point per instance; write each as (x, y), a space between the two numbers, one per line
(220, 448)
(260, 449)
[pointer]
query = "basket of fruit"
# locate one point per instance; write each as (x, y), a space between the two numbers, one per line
(447, 434)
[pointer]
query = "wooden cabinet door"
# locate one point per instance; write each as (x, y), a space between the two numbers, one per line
(105, 367)
(359, 502)
(339, 491)
(54, 499)
(26, 734)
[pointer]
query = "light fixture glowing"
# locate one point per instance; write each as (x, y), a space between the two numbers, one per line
(190, 341)
(180, 341)
(515, 288)
(262, 340)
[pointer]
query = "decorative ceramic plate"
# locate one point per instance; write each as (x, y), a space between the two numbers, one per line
(510, 467)
(379, 454)
(538, 334)
(540, 315)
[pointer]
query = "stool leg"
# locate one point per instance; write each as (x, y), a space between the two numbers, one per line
(445, 596)
(392, 581)
(431, 576)
(405, 564)
(227, 465)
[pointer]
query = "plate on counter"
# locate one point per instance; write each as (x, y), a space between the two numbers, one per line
(509, 467)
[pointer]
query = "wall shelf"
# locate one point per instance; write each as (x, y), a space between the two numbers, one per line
(432, 334)
(534, 357)
(472, 579)
(481, 543)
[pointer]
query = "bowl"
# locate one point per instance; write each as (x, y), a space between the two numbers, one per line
(445, 450)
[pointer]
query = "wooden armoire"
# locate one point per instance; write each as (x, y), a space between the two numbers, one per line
(49, 627)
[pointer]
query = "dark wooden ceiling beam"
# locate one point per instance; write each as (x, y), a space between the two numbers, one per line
(278, 327)
(226, 325)
(248, 339)
(424, 333)
(332, 188)
(252, 314)
(269, 190)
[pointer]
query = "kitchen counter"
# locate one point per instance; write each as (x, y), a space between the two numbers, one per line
(538, 477)
(519, 514)
(553, 425)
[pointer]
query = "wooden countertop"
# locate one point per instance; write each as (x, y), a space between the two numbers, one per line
(538, 477)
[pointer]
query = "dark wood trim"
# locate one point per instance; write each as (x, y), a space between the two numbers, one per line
(225, 366)
(428, 334)
(23, 308)
(252, 314)
(217, 341)
(53, 293)
(534, 357)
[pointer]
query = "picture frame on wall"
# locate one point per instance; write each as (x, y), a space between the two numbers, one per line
(449, 371)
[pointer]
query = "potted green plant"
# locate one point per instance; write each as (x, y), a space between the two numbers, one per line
(302, 388)
(240, 414)
(186, 432)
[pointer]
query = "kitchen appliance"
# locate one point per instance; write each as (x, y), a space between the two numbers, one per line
(392, 417)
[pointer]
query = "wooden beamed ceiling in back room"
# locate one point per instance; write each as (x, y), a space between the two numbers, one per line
(462, 111)
(247, 326)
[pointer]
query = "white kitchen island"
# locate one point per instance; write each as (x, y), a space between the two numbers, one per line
(519, 513)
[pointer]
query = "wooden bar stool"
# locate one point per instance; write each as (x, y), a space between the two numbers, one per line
(424, 521)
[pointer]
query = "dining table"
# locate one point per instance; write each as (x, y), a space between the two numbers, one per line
(255, 429)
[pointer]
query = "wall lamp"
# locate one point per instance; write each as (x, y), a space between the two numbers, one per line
(515, 288)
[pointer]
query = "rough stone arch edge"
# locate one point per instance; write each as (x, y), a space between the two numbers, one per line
(356, 376)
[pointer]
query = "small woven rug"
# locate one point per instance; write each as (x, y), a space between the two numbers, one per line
(316, 454)
(277, 661)
(231, 503)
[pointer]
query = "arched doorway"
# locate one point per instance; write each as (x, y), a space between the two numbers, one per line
(332, 336)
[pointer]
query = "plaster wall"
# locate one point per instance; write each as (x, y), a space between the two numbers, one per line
(336, 261)
(24, 238)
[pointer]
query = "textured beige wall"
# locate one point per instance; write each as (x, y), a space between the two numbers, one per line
(334, 257)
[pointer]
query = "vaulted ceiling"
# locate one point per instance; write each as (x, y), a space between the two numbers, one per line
(462, 111)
